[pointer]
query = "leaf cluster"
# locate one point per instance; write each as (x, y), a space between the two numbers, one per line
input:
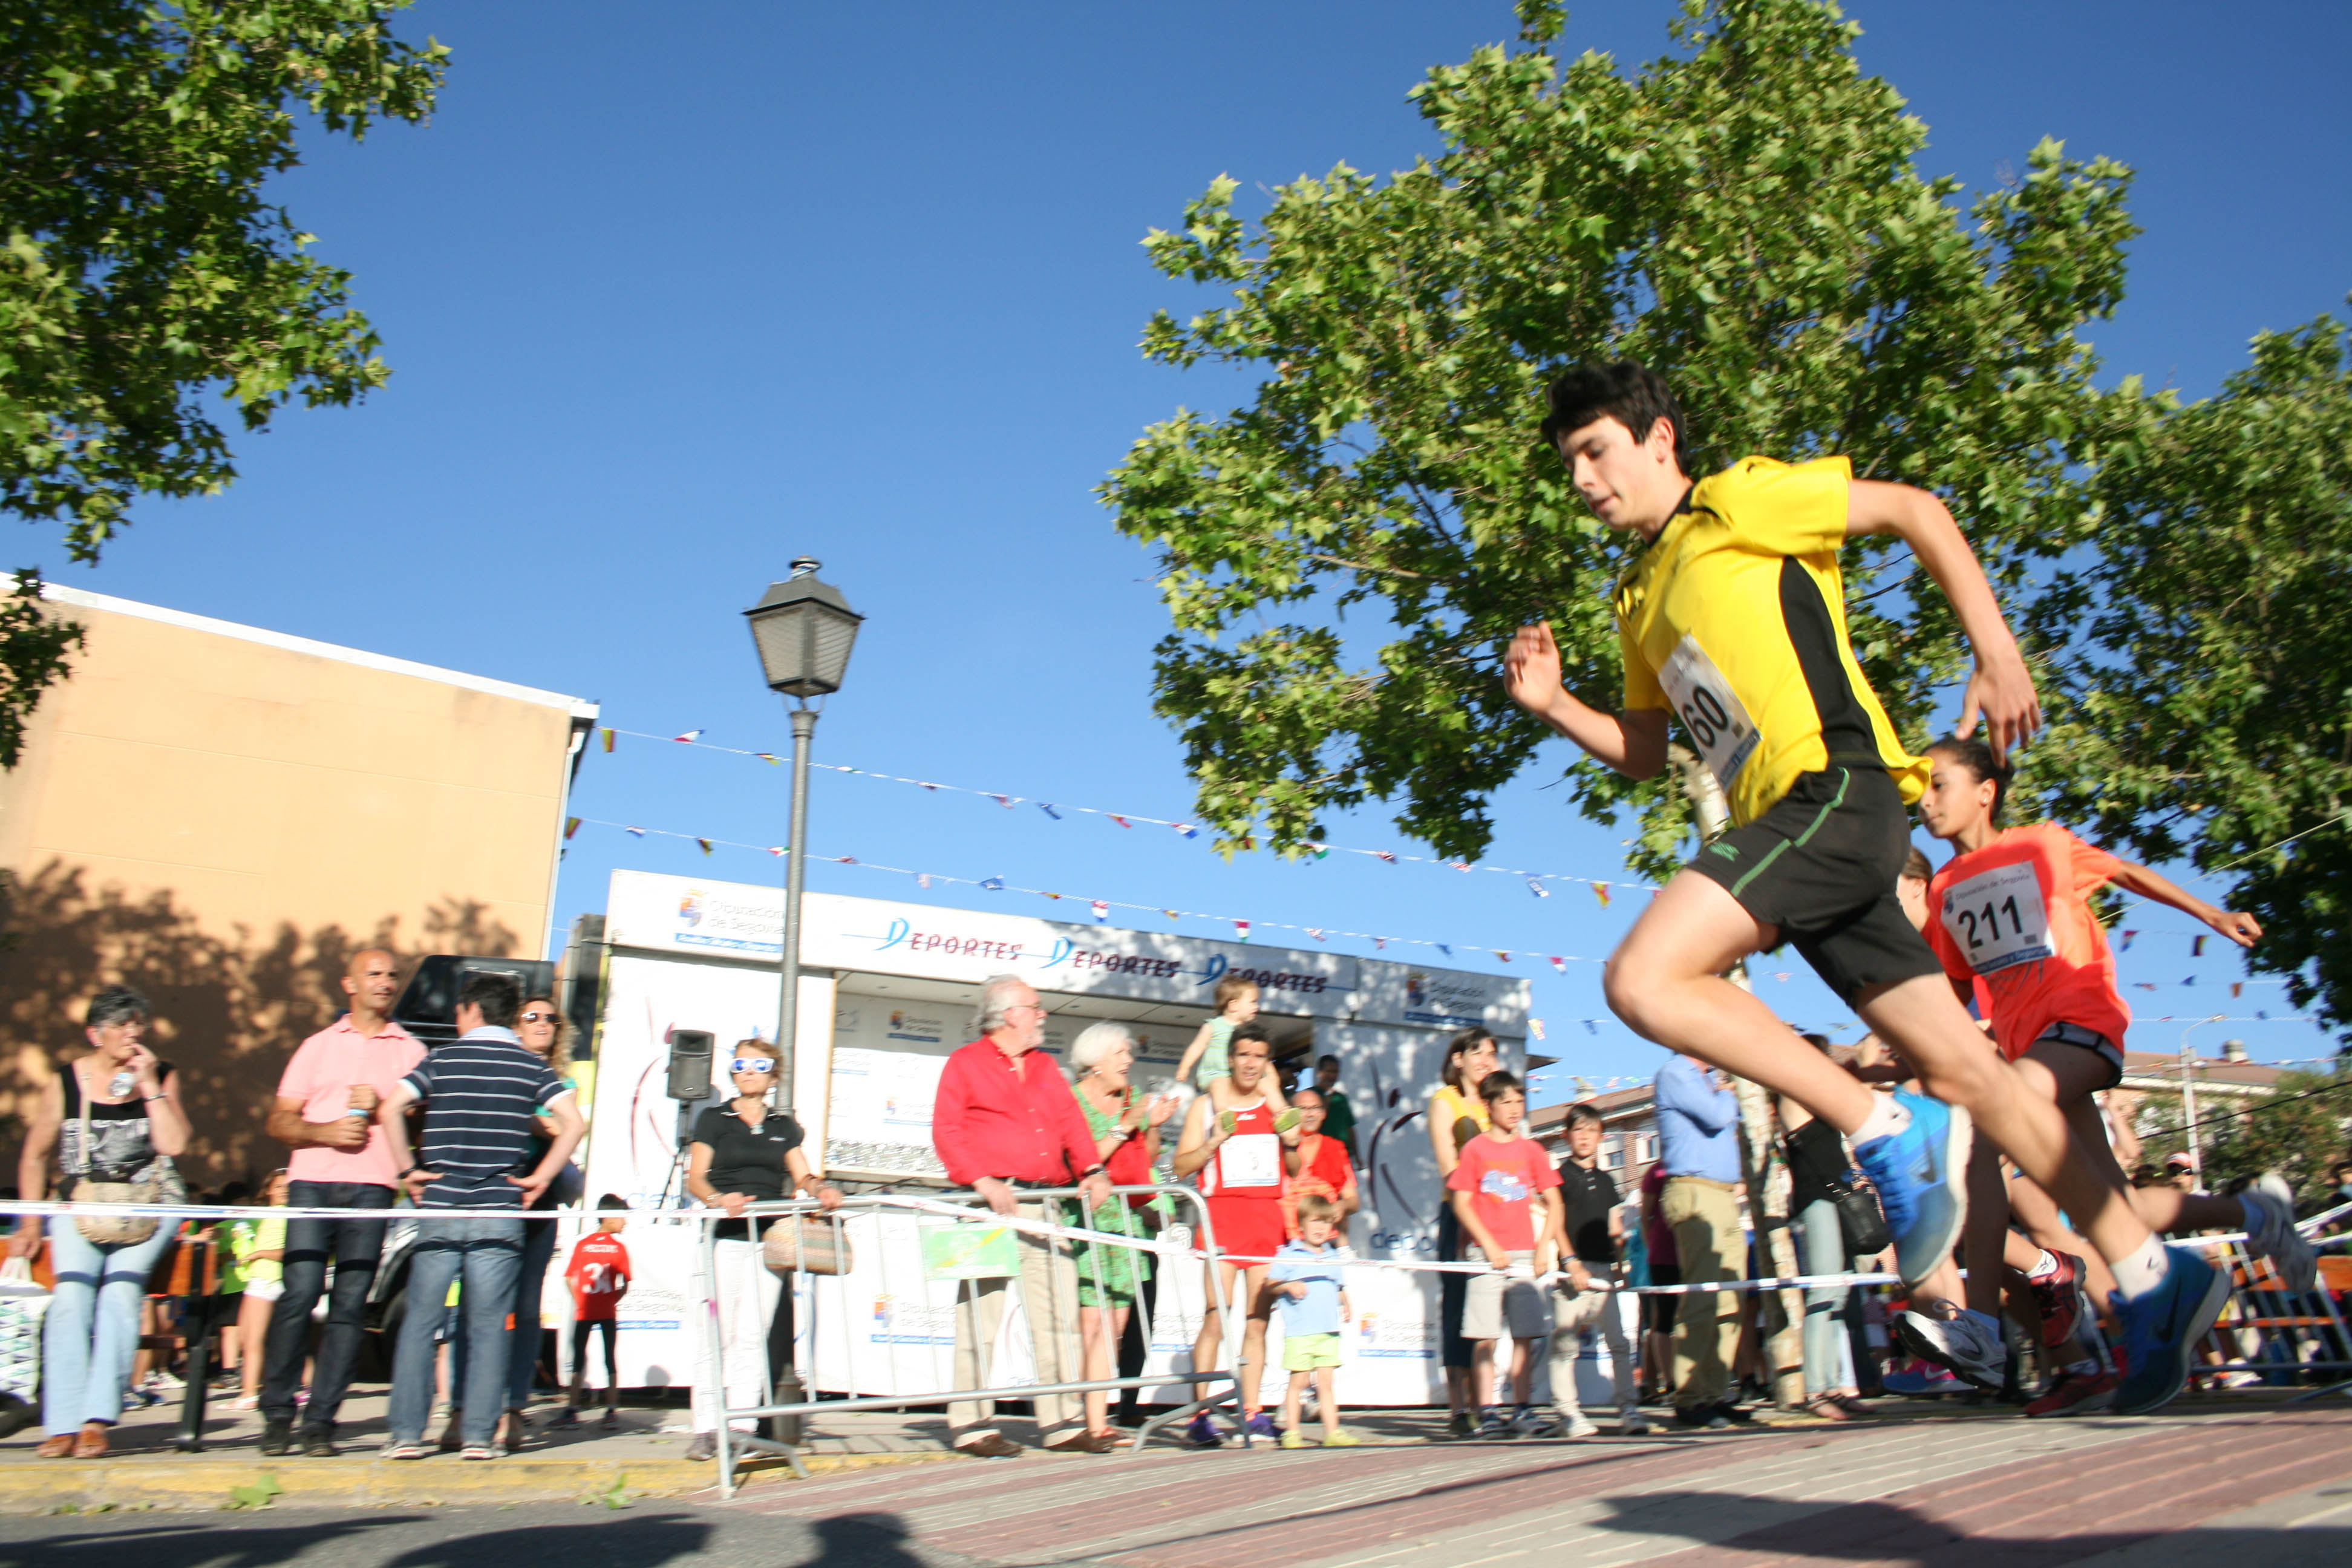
(1742, 214)
(141, 266)
(2208, 712)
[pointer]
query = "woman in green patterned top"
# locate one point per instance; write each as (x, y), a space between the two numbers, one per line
(1127, 1141)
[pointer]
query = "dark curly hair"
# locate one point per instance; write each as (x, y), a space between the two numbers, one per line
(1632, 394)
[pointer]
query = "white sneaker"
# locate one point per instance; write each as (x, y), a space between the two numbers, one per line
(1632, 1423)
(1969, 1343)
(2274, 1236)
(1576, 1425)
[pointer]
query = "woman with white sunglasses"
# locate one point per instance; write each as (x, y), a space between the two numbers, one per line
(744, 1152)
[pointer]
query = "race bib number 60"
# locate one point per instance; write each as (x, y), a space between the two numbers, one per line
(1998, 918)
(1727, 737)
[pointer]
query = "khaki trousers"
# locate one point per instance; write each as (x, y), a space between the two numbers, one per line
(1049, 1299)
(1573, 1314)
(1704, 1217)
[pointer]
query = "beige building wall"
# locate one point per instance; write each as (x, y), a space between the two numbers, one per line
(221, 816)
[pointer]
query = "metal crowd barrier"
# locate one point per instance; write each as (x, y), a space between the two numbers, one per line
(734, 1445)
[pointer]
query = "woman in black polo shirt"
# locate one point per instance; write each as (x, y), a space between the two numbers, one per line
(743, 1152)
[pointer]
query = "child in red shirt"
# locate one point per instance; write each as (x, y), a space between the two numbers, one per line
(599, 1277)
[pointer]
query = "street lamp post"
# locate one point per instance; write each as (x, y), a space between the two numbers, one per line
(804, 629)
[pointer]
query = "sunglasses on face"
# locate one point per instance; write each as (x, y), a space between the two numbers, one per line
(541, 1017)
(752, 1064)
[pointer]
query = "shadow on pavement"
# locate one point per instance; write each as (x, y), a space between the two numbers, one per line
(1778, 1531)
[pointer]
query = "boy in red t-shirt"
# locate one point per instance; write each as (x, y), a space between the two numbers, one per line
(1504, 1193)
(599, 1277)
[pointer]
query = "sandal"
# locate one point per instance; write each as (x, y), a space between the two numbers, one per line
(90, 1444)
(1825, 1407)
(60, 1446)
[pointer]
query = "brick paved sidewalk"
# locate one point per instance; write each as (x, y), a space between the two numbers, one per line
(2272, 1485)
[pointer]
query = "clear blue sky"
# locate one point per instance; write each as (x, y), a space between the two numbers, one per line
(674, 294)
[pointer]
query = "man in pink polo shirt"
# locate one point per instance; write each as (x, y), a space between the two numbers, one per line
(325, 1112)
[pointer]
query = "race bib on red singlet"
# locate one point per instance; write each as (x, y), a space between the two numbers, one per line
(1250, 1159)
(1998, 918)
(1726, 736)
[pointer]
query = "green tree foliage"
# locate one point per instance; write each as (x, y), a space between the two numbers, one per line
(2299, 1130)
(2213, 718)
(1742, 214)
(143, 271)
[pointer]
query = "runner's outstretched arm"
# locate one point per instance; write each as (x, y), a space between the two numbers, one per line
(2242, 929)
(1633, 744)
(2002, 689)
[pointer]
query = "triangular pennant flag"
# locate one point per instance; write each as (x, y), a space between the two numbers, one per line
(844, 859)
(706, 845)
(773, 760)
(1053, 895)
(1173, 914)
(608, 741)
(1590, 1027)
(1384, 855)
(1321, 851)
(1187, 829)
(1442, 948)
(1102, 913)
(2144, 985)
(1560, 964)
(634, 832)
(690, 737)
(1120, 820)
(1535, 1026)
(1600, 891)
(932, 788)
(1537, 888)
(1502, 956)
(1003, 800)
(1315, 933)
(2196, 947)
(923, 880)
(2127, 940)
(1782, 977)
(2260, 1014)
(570, 825)
(1241, 930)
(992, 884)
(1382, 942)
(778, 850)
(1049, 810)
(2236, 989)
(1459, 865)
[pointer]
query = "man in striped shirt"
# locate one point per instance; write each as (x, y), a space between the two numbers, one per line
(482, 1093)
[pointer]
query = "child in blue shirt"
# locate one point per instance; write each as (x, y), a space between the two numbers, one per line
(1307, 1282)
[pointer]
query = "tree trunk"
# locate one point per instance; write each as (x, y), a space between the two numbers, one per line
(1761, 1166)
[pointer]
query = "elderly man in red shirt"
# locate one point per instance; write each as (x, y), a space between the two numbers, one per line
(1005, 1120)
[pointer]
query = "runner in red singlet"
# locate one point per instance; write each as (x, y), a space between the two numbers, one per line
(1238, 1158)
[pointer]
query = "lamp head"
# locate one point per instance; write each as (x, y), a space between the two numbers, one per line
(804, 629)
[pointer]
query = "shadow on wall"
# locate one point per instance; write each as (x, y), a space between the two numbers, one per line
(229, 1009)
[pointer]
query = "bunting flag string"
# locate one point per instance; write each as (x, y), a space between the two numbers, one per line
(1099, 909)
(1601, 887)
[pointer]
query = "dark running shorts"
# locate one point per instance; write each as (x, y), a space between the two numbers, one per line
(1822, 866)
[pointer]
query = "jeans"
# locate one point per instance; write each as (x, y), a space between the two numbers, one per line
(522, 1344)
(1829, 1357)
(1704, 1217)
(484, 1251)
(355, 1245)
(92, 1328)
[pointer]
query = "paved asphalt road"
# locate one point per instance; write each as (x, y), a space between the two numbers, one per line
(2240, 1488)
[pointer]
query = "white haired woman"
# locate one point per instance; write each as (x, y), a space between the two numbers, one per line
(1127, 1141)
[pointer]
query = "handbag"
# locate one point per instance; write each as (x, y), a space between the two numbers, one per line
(23, 1305)
(806, 1243)
(1861, 1221)
(158, 1184)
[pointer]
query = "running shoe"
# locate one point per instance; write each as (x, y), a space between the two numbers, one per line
(1576, 1425)
(1462, 1423)
(1632, 1423)
(2161, 1330)
(1915, 1381)
(1967, 1342)
(1202, 1434)
(1526, 1421)
(1260, 1425)
(1921, 1175)
(2058, 1296)
(1341, 1437)
(1707, 1418)
(1291, 1439)
(1493, 1423)
(2274, 1236)
(2072, 1393)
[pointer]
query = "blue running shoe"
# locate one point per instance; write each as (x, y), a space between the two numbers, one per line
(1202, 1434)
(1261, 1425)
(1921, 1380)
(1921, 1175)
(2161, 1330)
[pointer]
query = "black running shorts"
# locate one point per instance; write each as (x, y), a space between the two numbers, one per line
(1821, 867)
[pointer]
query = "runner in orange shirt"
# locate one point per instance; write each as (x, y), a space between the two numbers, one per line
(2010, 916)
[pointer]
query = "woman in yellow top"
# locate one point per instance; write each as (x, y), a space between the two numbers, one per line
(1470, 1055)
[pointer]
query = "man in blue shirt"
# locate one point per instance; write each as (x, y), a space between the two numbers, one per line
(1698, 1145)
(482, 1094)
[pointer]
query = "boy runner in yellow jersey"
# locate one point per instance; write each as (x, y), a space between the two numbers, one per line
(1732, 618)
